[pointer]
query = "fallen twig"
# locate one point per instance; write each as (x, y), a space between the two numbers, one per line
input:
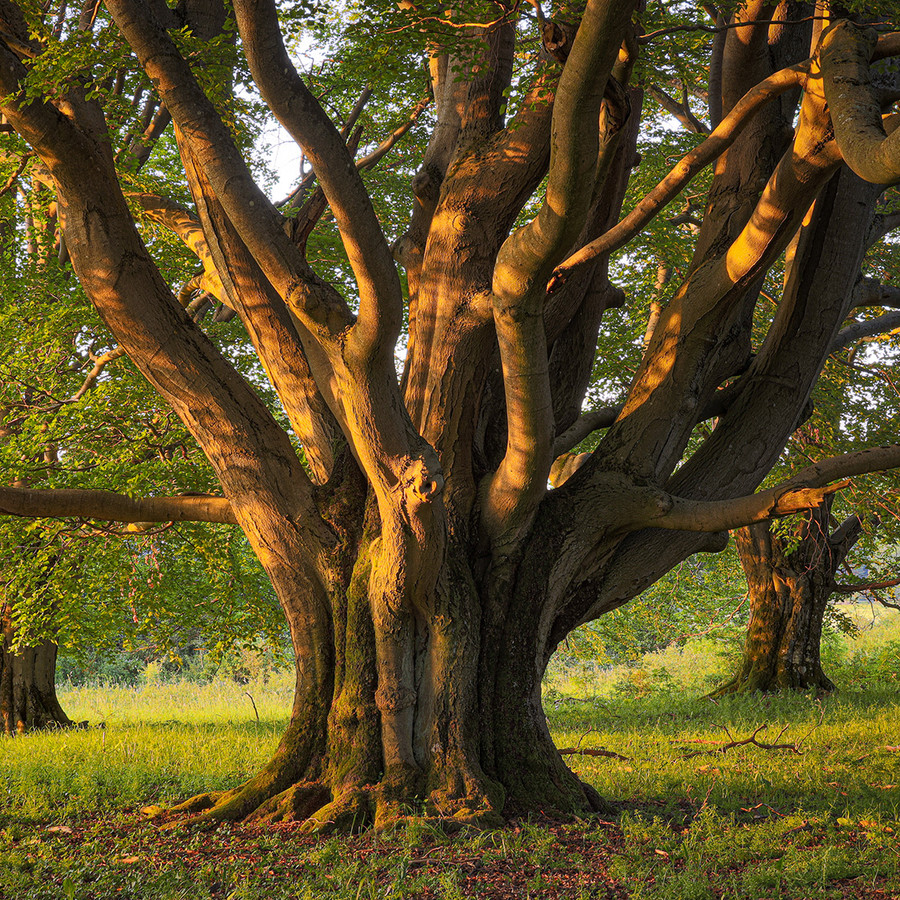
(748, 741)
(593, 751)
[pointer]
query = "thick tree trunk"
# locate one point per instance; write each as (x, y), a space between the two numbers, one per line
(28, 684)
(789, 587)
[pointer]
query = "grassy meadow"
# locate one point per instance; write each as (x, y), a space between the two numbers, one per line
(818, 816)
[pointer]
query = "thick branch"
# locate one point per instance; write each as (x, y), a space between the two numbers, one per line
(109, 506)
(588, 422)
(805, 490)
(863, 586)
(867, 328)
(257, 221)
(845, 52)
(723, 137)
(381, 311)
(527, 257)
(176, 218)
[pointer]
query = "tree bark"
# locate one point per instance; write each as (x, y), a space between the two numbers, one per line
(789, 585)
(28, 699)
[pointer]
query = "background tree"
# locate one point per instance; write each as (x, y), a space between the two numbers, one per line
(76, 414)
(426, 571)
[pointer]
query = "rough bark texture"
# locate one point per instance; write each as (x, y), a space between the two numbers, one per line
(426, 571)
(789, 586)
(27, 683)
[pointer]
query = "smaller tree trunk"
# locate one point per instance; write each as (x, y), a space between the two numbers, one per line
(789, 586)
(28, 698)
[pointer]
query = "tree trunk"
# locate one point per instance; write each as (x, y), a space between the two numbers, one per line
(28, 684)
(789, 586)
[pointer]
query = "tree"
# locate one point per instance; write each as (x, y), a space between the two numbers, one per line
(793, 572)
(76, 414)
(425, 569)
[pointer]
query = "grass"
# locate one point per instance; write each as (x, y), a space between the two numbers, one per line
(694, 822)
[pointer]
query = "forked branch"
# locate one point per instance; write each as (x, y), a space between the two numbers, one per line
(381, 304)
(254, 217)
(805, 490)
(725, 134)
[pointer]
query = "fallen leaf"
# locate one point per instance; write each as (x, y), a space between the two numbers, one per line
(63, 829)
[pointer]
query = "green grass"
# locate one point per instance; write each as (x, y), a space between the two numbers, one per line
(693, 822)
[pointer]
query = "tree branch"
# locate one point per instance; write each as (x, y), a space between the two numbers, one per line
(873, 154)
(681, 174)
(583, 426)
(867, 328)
(680, 109)
(186, 225)
(527, 257)
(109, 506)
(806, 489)
(862, 586)
(257, 221)
(381, 303)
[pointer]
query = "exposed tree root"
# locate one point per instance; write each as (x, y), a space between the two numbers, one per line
(297, 804)
(350, 812)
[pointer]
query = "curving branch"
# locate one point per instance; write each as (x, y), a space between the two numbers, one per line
(804, 490)
(857, 331)
(259, 224)
(380, 295)
(873, 154)
(583, 426)
(186, 225)
(109, 506)
(527, 257)
(725, 134)
(374, 156)
(100, 363)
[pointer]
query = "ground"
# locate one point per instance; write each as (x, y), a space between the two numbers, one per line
(819, 818)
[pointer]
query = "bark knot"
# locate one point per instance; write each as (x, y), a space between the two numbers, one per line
(422, 478)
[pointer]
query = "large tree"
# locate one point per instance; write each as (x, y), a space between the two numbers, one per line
(426, 570)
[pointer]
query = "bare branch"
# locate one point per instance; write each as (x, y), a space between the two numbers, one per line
(109, 506)
(680, 109)
(860, 133)
(682, 173)
(100, 363)
(748, 742)
(871, 292)
(867, 328)
(588, 422)
(804, 490)
(863, 586)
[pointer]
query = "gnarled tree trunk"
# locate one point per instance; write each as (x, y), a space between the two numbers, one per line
(789, 583)
(27, 684)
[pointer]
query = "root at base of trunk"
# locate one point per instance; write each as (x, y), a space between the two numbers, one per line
(320, 810)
